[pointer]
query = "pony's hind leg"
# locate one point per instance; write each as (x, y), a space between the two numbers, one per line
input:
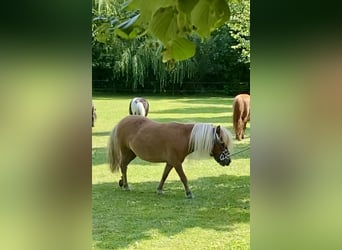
(123, 181)
(244, 129)
(167, 170)
(126, 159)
(239, 135)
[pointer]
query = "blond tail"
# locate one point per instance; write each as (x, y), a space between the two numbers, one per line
(141, 108)
(114, 153)
(236, 116)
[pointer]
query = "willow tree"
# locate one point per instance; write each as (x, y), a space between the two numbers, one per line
(141, 60)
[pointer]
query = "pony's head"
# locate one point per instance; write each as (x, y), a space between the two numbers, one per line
(206, 139)
(222, 142)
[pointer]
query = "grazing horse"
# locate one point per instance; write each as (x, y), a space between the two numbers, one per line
(93, 114)
(138, 106)
(241, 114)
(165, 142)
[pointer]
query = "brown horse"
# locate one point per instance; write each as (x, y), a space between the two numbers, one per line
(138, 106)
(241, 114)
(165, 142)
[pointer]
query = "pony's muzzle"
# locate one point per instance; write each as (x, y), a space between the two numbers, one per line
(224, 158)
(225, 162)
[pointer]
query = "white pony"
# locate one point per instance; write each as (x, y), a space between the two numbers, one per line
(138, 106)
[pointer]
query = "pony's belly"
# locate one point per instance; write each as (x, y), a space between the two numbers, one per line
(148, 153)
(152, 158)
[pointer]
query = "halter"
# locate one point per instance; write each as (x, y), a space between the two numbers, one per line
(225, 153)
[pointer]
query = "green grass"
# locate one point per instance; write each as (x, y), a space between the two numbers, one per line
(218, 216)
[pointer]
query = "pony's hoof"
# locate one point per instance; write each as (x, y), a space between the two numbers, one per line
(121, 183)
(127, 188)
(189, 195)
(160, 191)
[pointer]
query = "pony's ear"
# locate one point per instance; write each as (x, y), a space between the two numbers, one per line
(218, 130)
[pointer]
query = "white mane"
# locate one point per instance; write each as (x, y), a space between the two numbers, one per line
(227, 137)
(202, 139)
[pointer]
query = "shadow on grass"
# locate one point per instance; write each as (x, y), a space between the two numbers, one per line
(122, 218)
(208, 100)
(99, 155)
(103, 133)
(192, 110)
(194, 119)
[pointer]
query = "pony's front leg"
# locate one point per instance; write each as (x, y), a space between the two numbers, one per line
(167, 170)
(183, 178)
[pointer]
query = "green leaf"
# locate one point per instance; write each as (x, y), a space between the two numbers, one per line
(207, 16)
(102, 32)
(133, 33)
(164, 24)
(121, 33)
(183, 23)
(148, 8)
(179, 49)
(186, 6)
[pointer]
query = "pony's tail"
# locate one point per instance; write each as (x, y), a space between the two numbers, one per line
(141, 108)
(237, 120)
(130, 108)
(114, 153)
(236, 116)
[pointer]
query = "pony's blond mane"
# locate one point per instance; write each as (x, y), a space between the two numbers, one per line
(227, 137)
(202, 139)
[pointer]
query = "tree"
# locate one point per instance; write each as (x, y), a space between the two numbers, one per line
(171, 22)
(240, 27)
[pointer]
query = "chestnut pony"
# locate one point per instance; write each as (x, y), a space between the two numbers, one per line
(138, 106)
(165, 142)
(241, 114)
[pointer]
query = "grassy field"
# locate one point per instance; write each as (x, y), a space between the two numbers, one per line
(218, 216)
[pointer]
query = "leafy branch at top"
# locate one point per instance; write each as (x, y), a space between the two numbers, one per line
(170, 21)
